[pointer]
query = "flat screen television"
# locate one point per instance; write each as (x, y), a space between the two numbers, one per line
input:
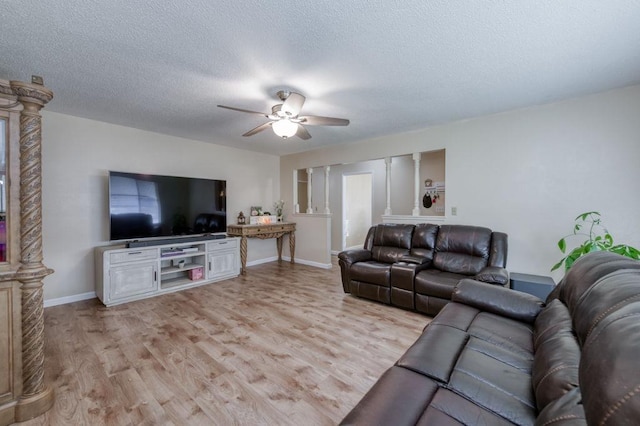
(152, 206)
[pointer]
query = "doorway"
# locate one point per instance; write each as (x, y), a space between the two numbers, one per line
(357, 200)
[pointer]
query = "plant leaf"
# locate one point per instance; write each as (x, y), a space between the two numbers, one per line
(609, 239)
(562, 245)
(557, 265)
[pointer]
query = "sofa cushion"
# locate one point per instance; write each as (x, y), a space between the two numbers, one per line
(498, 300)
(557, 354)
(607, 295)
(482, 356)
(448, 408)
(372, 272)
(504, 334)
(436, 283)
(585, 272)
(493, 275)
(564, 411)
(492, 369)
(423, 243)
(495, 385)
(391, 241)
(435, 352)
(400, 397)
(375, 292)
(462, 249)
(609, 373)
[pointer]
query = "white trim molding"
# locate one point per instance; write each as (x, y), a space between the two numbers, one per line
(412, 220)
(70, 299)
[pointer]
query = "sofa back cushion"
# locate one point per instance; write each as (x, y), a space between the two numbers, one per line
(601, 293)
(423, 243)
(564, 411)
(556, 354)
(462, 249)
(609, 373)
(391, 241)
(499, 249)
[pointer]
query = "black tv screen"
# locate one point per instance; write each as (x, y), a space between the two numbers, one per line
(148, 206)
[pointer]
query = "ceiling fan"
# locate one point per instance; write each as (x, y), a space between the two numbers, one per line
(285, 118)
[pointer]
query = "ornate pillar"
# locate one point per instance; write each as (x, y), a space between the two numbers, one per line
(36, 397)
(387, 162)
(296, 202)
(416, 185)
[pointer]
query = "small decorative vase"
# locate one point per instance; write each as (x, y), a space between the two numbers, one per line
(280, 218)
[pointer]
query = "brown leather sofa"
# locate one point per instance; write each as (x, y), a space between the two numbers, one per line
(417, 266)
(496, 356)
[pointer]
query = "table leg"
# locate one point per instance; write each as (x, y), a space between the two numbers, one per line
(279, 245)
(243, 254)
(292, 245)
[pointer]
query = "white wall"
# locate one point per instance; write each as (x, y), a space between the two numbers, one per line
(403, 179)
(432, 166)
(527, 172)
(77, 153)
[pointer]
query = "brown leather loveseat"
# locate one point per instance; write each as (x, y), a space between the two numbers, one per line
(416, 267)
(495, 356)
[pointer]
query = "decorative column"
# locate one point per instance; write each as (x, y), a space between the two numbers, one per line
(36, 397)
(296, 202)
(309, 189)
(327, 169)
(416, 186)
(387, 162)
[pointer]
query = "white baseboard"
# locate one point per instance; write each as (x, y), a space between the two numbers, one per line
(309, 263)
(261, 261)
(288, 259)
(69, 299)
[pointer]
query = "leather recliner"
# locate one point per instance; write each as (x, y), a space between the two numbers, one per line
(367, 272)
(417, 267)
(498, 357)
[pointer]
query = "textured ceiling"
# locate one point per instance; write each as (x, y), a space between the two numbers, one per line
(389, 66)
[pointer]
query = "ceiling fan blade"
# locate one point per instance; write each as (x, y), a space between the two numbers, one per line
(314, 120)
(293, 104)
(302, 133)
(258, 129)
(244, 110)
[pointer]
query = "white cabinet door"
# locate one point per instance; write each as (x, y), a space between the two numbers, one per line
(133, 279)
(223, 263)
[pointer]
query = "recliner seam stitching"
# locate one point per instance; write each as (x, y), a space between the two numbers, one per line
(496, 358)
(588, 342)
(607, 311)
(619, 404)
(559, 418)
(468, 373)
(554, 370)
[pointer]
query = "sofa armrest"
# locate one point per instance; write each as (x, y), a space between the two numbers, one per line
(356, 255)
(498, 300)
(493, 275)
(415, 260)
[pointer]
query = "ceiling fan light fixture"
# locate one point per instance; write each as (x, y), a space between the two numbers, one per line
(284, 128)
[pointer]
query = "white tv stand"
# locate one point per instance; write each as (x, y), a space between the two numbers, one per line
(126, 274)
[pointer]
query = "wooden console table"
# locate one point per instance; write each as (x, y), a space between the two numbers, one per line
(273, 230)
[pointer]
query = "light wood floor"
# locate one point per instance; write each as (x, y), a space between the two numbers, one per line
(282, 345)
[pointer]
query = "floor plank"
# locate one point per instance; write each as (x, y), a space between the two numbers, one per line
(281, 345)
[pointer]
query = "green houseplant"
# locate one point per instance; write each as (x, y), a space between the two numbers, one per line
(598, 238)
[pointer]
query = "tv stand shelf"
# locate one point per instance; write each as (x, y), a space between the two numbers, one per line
(126, 274)
(186, 267)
